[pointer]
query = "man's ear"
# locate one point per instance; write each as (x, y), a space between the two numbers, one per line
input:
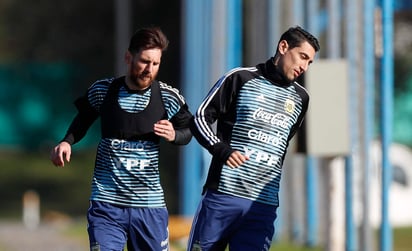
(283, 46)
(128, 57)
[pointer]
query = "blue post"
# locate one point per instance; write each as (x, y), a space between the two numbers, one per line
(311, 200)
(298, 229)
(298, 18)
(368, 118)
(351, 43)
(350, 229)
(274, 9)
(333, 38)
(192, 83)
(298, 13)
(386, 119)
(311, 162)
(234, 36)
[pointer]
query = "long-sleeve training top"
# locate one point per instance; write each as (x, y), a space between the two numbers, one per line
(256, 112)
(126, 171)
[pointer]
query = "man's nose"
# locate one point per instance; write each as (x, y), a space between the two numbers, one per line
(149, 67)
(304, 67)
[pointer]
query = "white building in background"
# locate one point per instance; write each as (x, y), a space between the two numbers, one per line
(400, 193)
(331, 196)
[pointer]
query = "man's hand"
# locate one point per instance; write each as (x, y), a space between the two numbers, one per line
(164, 128)
(236, 159)
(61, 153)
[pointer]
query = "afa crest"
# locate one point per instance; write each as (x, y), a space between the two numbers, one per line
(289, 106)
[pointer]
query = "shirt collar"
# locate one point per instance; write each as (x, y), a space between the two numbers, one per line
(271, 72)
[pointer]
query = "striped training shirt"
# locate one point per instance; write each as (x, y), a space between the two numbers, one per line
(126, 172)
(256, 115)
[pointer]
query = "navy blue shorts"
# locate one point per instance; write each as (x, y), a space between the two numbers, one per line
(111, 227)
(223, 220)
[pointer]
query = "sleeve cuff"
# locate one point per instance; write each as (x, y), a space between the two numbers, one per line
(221, 151)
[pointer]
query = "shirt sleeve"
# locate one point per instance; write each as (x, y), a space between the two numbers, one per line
(305, 104)
(178, 113)
(181, 122)
(218, 106)
(81, 123)
(87, 112)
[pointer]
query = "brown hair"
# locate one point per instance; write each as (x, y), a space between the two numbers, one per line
(148, 38)
(295, 36)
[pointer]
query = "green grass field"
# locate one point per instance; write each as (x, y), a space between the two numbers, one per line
(65, 191)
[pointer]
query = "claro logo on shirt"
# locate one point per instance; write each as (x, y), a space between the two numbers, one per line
(273, 140)
(118, 144)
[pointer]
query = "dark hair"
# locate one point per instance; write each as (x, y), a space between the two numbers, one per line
(148, 38)
(295, 36)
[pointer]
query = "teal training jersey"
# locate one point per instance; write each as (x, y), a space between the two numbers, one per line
(257, 113)
(126, 172)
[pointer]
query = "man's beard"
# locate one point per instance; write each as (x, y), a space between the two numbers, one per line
(142, 80)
